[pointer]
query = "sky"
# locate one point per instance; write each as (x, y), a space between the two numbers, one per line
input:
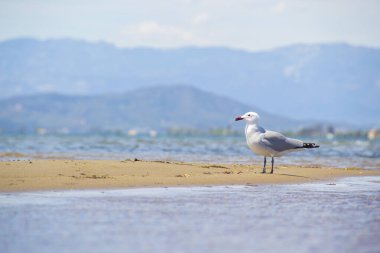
(247, 24)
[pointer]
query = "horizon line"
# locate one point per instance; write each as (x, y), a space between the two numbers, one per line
(110, 43)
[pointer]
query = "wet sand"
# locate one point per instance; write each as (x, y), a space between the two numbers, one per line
(103, 174)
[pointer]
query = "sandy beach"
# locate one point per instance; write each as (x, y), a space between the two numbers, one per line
(102, 174)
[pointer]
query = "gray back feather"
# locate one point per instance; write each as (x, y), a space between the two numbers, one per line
(280, 143)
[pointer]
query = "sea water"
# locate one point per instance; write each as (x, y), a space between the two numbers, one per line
(339, 152)
(338, 216)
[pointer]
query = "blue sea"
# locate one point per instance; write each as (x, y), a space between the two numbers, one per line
(341, 152)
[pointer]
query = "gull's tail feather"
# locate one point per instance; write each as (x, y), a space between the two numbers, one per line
(310, 145)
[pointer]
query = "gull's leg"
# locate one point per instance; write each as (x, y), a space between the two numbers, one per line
(271, 171)
(265, 164)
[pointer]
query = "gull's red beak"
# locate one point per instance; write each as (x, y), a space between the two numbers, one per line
(238, 118)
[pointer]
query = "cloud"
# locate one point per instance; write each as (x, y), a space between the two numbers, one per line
(279, 7)
(200, 19)
(46, 88)
(150, 33)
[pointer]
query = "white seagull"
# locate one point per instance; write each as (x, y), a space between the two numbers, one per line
(269, 143)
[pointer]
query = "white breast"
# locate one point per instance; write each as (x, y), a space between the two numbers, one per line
(254, 144)
(253, 135)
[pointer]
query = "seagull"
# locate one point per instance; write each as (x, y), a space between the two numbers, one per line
(269, 143)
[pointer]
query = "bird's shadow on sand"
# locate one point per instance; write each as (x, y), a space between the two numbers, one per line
(290, 175)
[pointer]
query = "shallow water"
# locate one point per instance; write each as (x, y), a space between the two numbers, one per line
(342, 216)
(338, 152)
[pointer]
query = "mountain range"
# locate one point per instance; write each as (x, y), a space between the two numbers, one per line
(154, 108)
(333, 82)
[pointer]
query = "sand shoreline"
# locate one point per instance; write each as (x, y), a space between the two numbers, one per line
(38, 175)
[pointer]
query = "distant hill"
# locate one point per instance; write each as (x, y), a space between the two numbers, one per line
(335, 82)
(154, 108)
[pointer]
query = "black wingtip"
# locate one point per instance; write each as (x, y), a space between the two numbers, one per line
(310, 145)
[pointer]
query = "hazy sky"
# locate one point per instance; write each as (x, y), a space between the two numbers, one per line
(248, 24)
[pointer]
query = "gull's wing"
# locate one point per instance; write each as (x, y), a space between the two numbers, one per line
(279, 143)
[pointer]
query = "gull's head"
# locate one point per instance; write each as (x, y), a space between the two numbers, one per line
(251, 117)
